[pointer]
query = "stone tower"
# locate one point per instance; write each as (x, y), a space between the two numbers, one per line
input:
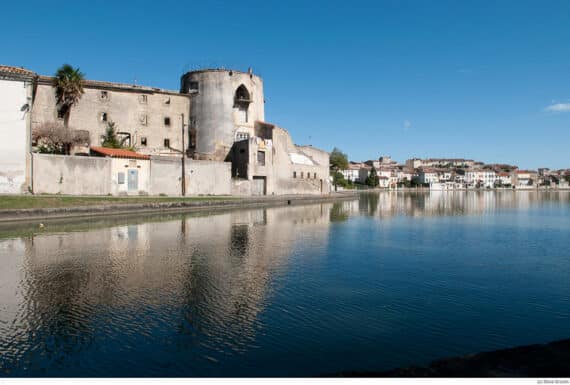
(224, 108)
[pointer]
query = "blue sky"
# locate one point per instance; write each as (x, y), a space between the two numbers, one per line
(483, 80)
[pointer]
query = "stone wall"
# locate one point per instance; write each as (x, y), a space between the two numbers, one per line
(202, 177)
(71, 175)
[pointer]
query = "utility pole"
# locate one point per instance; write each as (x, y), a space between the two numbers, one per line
(183, 158)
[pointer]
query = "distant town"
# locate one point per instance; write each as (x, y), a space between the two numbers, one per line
(444, 174)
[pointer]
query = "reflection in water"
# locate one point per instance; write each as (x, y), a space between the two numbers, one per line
(237, 293)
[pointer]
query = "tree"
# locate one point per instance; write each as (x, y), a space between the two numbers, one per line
(338, 160)
(68, 84)
(54, 138)
(372, 179)
(110, 139)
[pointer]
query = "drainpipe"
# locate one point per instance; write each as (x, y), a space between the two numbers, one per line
(183, 158)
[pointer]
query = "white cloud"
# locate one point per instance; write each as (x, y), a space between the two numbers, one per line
(407, 124)
(558, 107)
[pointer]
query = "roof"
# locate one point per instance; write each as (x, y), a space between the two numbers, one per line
(119, 153)
(19, 72)
(98, 84)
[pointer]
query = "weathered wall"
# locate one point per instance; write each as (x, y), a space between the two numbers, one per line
(13, 133)
(126, 107)
(288, 169)
(73, 175)
(202, 177)
(214, 116)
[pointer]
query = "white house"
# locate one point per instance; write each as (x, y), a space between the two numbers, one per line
(482, 178)
(15, 105)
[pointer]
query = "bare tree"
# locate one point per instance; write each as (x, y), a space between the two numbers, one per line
(55, 138)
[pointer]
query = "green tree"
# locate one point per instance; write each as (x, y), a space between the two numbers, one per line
(68, 84)
(338, 160)
(372, 179)
(110, 139)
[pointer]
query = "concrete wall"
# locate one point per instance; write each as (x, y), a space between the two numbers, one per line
(214, 116)
(72, 175)
(14, 130)
(126, 107)
(202, 177)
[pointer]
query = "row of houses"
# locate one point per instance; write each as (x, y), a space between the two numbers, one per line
(443, 174)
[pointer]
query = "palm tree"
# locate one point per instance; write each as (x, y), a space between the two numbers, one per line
(68, 84)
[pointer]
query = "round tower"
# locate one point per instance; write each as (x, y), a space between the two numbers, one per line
(223, 110)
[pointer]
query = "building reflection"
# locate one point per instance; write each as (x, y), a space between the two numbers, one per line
(202, 275)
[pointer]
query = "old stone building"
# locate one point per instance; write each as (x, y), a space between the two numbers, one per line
(216, 122)
(149, 119)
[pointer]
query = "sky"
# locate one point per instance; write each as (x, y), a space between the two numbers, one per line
(484, 80)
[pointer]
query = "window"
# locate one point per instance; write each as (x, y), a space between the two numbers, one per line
(121, 178)
(193, 86)
(143, 119)
(60, 113)
(315, 176)
(301, 174)
(261, 158)
(104, 95)
(104, 116)
(143, 99)
(143, 141)
(167, 143)
(241, 136)
(294, 174)
(167, 121)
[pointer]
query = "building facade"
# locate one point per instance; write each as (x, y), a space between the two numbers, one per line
(16, 87)
(217, 118)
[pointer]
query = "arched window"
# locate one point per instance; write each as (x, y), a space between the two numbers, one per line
(242, 98)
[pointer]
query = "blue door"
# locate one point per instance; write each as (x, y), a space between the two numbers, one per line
(133, 180)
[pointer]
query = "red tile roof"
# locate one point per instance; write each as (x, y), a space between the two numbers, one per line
(119, 153)
(15, 70)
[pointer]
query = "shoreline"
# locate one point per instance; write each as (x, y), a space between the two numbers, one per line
(537, 360)
(176, 206)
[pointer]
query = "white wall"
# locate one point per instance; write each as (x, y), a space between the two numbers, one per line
(13, 133)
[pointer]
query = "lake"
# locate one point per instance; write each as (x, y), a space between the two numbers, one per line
(372, 283)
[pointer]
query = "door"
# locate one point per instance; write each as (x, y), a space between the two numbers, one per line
(258, 185)
(133, 180)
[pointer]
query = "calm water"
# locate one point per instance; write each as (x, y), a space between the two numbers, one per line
(379, 282)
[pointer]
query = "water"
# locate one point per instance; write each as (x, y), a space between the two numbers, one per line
(384, 281)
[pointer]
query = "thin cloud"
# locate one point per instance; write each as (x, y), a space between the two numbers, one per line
(407, 124)
(558, 107)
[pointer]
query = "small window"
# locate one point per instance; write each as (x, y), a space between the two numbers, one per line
(193, 86)
(315, 176)
(167, 143)
(301, 174)
(294, 174)
(104, 116)
(143, 99)
(121, 178)
(261, 158)
(104, 95)
(143, 141)
(242, 136)
(143, 119)
(167, 121)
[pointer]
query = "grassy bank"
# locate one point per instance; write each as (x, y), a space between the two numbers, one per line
(55, 201)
